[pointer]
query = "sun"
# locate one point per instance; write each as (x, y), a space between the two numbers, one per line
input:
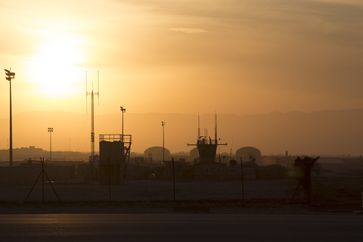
(55, 70)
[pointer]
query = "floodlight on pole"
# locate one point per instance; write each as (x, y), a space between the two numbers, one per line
(123, 110)
(163, 127)
(50, 131)
(9, 75)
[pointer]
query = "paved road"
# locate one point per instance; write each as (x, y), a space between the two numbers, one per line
(180, 227)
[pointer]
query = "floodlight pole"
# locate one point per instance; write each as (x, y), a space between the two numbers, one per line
(11, 128)
(163, 127)
(9, 76)
(50, 131)
(123, 110)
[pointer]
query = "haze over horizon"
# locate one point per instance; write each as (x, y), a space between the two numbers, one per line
(248, 57)
(301, 133)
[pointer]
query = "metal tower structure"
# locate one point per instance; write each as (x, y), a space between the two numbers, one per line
(207, 147)
(115, 152)
(92, 94)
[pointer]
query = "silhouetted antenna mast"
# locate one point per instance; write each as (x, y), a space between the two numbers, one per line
(92, 94)
(215, 128)
(207, 146)
(163, 127)
(198, 126)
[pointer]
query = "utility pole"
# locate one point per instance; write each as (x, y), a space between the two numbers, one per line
(9, 76)
(163, 127)
(123, 110)
(50, 131)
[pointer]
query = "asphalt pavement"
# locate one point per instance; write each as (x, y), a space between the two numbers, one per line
(181, 227)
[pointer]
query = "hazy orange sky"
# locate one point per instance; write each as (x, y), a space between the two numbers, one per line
(173, 56)
(231, 56)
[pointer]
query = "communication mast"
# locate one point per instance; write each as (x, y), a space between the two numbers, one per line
(198, 126)
(207, 147)
(92, 94)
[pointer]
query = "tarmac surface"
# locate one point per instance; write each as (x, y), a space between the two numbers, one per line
(181, 227)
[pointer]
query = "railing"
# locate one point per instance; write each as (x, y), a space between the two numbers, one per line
(126, 138)
(203, 140)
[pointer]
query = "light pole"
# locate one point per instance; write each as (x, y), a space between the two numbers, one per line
(10, 75)
(163, 127)
(123, 110)
(50, 131)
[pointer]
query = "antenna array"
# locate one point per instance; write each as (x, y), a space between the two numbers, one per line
(92, 94)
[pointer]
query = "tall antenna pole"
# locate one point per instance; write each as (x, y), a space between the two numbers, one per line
(163, 126)
(92, 94)
(92, 127)
(215, 128)
(198, 126)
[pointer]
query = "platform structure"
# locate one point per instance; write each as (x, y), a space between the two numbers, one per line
(207, 146)
(114, 158)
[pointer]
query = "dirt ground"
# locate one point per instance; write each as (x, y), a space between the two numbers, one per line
(153, 191)
(328, 192)
(338, 192)
(338, 186)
